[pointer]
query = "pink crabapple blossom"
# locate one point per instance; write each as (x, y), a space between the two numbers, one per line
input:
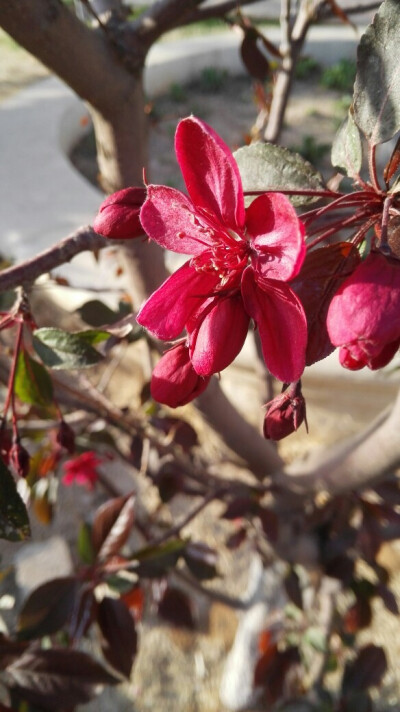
(364, 314)
(241, 262)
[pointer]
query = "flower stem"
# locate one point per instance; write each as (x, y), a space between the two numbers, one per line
(372, 168)
(11, 380)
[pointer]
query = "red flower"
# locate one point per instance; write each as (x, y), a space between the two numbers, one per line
(118, 215)
(82, 470)
(364, 315)
(241, 262)
(174, 381)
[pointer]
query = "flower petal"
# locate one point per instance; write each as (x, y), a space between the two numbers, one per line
(174, 381)
(166, 312)
(170, 219)
(218, 334)
(210, 172)
(367, 305)
(281, 323)
(277, 236)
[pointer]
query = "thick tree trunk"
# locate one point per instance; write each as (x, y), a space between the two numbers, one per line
(122, 142)
(89, 63)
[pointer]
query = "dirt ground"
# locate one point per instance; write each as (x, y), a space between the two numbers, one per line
(176, 671)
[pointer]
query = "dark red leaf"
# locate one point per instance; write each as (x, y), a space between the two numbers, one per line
(48, 608)
(169, 481)
(369, 538)
(268, 649)
(388, 598)
(389, 491)
(254, 60)
(275, 671)
(112, 525)
(358, 616)
(119, 632)
(393, 163)
(84, 615)
(10, 650)
(340, 14)
(57, 679)
(134, 600)
(340, 567)
(176, 608)
(359, 701)
(293, 589)
(201, 560)
(366, 671)
(237, 538)
(136, 451)
(269, 522)
(320, 277)
(240, 507)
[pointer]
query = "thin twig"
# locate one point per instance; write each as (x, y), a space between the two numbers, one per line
(27, 272)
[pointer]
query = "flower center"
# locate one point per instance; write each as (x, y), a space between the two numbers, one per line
(228, 257)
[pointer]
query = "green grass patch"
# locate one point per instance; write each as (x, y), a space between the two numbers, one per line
(311, 150)
(340, 76)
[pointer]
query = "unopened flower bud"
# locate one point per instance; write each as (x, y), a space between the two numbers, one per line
(174, 381)
(118, 216)
(66, 437)
(19, 459)
(284, 415)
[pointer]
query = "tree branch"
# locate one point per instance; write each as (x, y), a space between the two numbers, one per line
(167, 15)
(80, 241)
(218, 10)
(259, 454)
(80, 56)
(357, 463)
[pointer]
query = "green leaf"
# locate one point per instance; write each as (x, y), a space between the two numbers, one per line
(264, 166)
(32, 384)
(347, 148)
(84, 544)
(377, 87)
(316, 637)
(93, 336)
(59, 349)
(96, 313)
(155, 561)
(14, 522)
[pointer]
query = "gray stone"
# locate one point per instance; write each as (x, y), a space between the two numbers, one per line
(37, 563)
